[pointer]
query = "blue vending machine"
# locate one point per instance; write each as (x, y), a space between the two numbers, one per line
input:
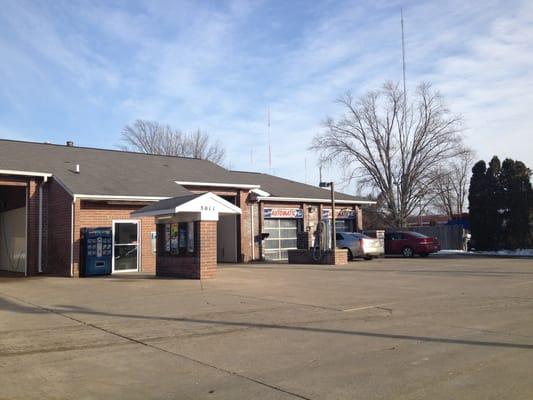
(96, 248)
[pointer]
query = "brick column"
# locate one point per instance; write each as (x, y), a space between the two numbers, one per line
(32, 252)
(245, 249)
(358, 218)
(207, 249)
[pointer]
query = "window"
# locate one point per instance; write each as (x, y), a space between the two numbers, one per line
(418, 235)
(179, 238)
(153, 237)
(174, 238)
(344, 225)
(190, 237)
(397, 236)
(167, 238)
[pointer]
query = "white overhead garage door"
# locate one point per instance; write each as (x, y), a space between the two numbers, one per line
(281, 225)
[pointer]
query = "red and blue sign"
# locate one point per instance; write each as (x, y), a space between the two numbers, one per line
(283, 213)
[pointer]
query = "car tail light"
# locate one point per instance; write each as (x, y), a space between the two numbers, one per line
(361, 242)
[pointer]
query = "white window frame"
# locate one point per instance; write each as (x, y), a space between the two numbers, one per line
(139, 245)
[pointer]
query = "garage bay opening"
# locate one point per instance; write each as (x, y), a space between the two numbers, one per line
(13, 228)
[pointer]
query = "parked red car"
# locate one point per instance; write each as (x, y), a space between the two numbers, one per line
(410, 243)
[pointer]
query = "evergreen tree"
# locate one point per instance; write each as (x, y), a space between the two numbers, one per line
(477, 199)
(515, 181)
(494, 205)
(501, 205)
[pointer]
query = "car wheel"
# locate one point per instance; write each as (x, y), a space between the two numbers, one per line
(350, 255)
(424, 254)
(408, 252)
(368, 258)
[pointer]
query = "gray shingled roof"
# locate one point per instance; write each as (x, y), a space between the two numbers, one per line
(120, 173)
(281, 187)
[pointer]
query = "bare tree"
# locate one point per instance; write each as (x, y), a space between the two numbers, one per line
(450, 184)
(199, 146)
(154, 138)
(391, 146)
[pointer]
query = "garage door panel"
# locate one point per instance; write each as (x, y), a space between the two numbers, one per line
(282, 237)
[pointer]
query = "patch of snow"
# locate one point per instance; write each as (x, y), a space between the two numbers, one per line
(517, 252)
(444, 252)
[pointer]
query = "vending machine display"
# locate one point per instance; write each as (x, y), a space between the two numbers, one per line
(97, 251)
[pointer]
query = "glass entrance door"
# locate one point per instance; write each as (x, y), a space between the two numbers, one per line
(125, 246)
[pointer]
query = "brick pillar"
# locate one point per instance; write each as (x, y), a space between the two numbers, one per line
(32, 252)
(207, 249)
(358, 218)
(245, 248)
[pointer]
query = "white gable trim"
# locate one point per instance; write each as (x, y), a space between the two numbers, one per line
(307, 200)
(25, 173)
(207, 205)
(222, 185)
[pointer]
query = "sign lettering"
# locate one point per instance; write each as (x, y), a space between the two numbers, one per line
(341, 213)
(283, 213)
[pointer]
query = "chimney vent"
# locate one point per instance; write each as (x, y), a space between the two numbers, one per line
(70, 143)
(77, 168)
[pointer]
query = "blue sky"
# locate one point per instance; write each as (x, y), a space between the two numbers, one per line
(81, 70)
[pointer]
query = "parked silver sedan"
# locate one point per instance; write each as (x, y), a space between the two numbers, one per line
(360, 245)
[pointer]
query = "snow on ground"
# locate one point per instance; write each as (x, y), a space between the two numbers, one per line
(516, 253)
(445, 252)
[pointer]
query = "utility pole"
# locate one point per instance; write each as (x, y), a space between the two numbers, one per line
(332, 218)
(333, 227)
(403, 71)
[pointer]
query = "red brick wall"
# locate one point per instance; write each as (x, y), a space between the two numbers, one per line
(57, 229)
(339, 257)
(207, 251)
(185, 267)
(93, 214)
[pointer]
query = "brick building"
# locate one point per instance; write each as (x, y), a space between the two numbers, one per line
(49, 193)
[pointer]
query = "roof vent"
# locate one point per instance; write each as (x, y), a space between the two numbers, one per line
(77, 168)
(70, 143)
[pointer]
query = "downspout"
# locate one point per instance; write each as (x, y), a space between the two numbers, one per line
(252, 231)
(40, 255)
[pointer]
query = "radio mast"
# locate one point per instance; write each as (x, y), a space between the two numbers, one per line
(403, 72)
(269, 144)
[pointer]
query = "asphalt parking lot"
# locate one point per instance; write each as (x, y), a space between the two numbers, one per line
(434, 328)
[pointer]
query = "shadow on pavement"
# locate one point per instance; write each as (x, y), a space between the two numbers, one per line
(64, 310)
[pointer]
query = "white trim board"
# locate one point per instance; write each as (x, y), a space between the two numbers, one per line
(113, 197)
(209, 205)
(222, 185)
(307, 200)
(25, 173)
